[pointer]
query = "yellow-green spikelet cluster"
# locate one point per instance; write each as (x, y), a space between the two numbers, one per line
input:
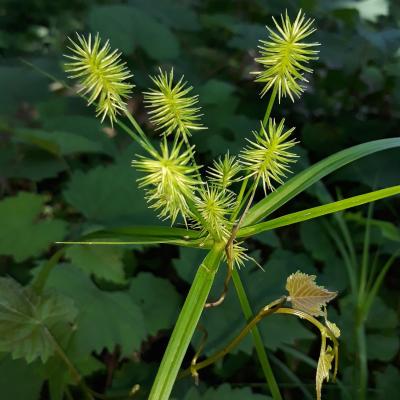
(170, 180)
(172, 109)
(285, 56)
(102, 75)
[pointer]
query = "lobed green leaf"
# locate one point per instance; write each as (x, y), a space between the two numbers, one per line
(27, 320)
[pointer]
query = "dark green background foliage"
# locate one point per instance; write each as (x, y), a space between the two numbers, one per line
(63, 174)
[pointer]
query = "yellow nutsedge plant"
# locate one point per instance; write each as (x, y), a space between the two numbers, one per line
(214, 206)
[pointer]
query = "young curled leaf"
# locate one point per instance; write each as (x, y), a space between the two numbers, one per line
(306, 295)
(324, 366)
(333, 328)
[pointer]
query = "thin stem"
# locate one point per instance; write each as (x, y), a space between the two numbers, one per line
(137, 127)
(270, 105)
(256, 336)
(239, 200)
(191, 153)
(250, 201)
(346, 258)
(291, 375)
(40, 279)
(378, 283)
(365, 257)
(221, 298)
(372, 272)
(186, 324)
(362, 360)
(229, 243)
(264, 312)
(142, 139)
(203, 341)
(74, 372)
(243, 201)
(345, 231)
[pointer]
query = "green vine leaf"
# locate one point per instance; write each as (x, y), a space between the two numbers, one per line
(324, 365)
(27, 321)
(23, 232)
(306, 295)
(103, 262)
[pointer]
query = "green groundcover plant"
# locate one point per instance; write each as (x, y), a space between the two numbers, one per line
(208, 207)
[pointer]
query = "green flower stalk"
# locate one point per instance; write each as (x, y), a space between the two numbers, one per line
(102, 75)
(284, 56)
(170, 180)
(172, 109)
(267, 157)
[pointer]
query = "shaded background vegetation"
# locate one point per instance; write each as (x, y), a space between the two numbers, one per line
(62, 173)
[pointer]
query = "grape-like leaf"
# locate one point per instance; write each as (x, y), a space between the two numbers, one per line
(324, 365)
(23, 234)
(105, 320)
(27, 320)
(104, 262)
(150, 293)
(306, 295)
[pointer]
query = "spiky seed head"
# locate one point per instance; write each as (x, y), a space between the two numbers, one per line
(239, 255)
(268, 156)
(225, 171)
(170, 180)
(285, 56)
(214, 205)
(172, 109)
(101, 73)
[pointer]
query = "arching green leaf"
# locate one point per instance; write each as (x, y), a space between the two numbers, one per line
(313, 174)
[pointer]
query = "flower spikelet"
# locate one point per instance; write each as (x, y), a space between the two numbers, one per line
(170, 180)
(225, 171)
(239, 255)
(101, 73)
(285, 56)
(172, 109)
(267, 157)
(214, 204)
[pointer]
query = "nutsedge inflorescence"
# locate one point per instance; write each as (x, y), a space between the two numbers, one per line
(173, 183)
(214, 203)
